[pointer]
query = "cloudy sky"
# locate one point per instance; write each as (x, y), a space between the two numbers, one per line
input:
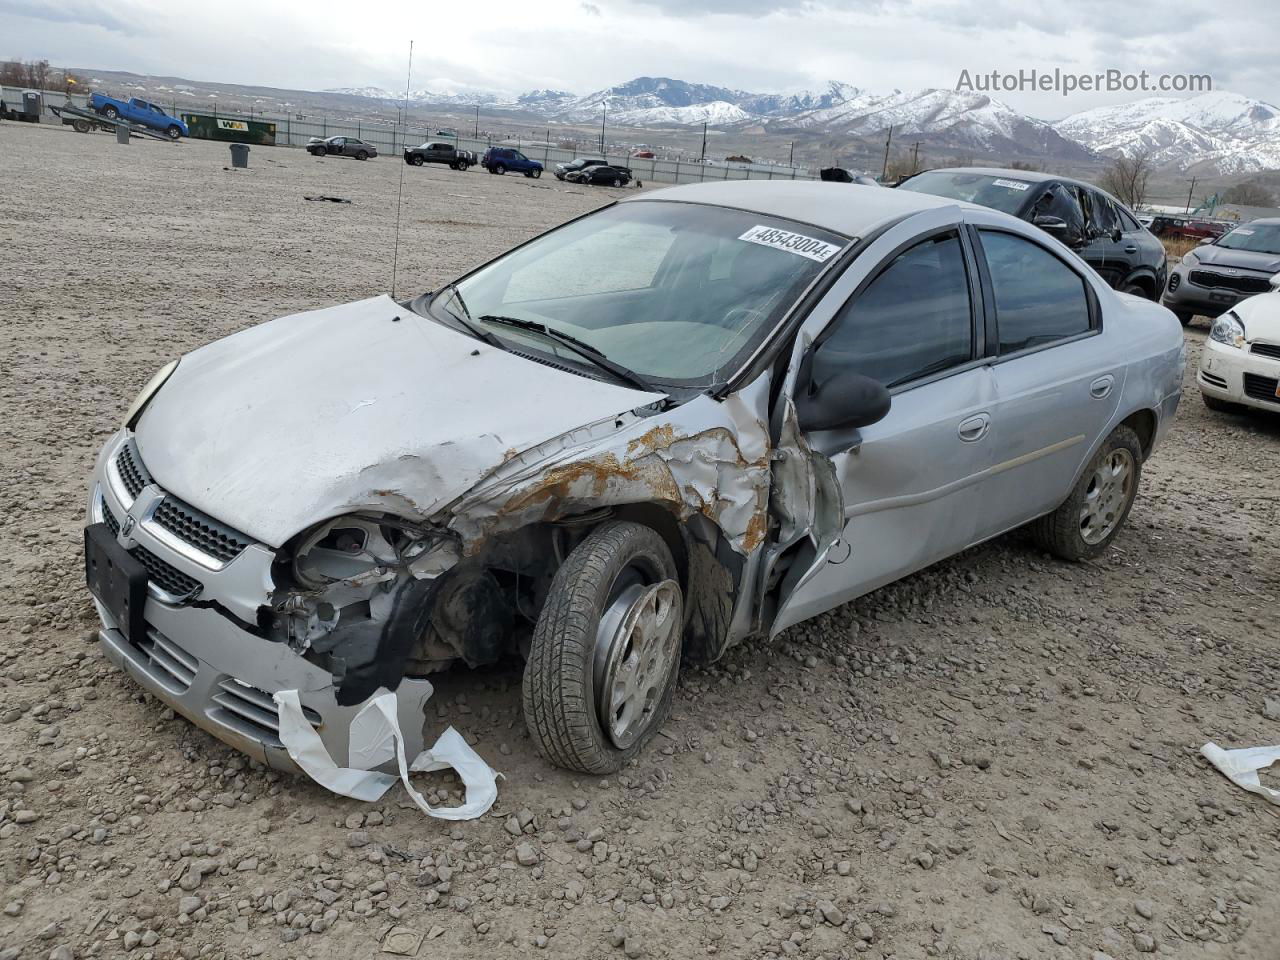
(584, 45)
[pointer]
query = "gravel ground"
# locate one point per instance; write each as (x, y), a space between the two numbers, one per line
(996, 758)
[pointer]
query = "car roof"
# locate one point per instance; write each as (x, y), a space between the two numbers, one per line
(1259, 222)
(832, 206)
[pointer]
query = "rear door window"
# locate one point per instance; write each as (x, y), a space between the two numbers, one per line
(1038, 298)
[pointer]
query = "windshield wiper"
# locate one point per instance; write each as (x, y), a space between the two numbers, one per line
(464, 317)
(579, 347)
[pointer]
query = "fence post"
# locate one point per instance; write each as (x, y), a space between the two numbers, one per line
(288, 131)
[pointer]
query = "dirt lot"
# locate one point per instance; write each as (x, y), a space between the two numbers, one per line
(996, 758)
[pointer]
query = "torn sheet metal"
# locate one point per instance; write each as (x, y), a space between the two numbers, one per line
(706, 457)
(1241, 767)
(375, 739)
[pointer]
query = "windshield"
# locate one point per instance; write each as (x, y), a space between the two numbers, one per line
(1256, 238)
(675, 292)
(1002, 193)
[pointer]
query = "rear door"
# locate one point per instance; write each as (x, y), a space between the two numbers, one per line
(904, 487)
(1057, 379)
(1103, 251)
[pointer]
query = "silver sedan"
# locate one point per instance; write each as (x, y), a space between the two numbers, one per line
(762, 400)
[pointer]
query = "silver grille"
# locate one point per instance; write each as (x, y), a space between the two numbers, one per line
(171, 666)
(253, 711)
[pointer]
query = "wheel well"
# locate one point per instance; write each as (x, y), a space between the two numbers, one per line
(1143, 423)
(666, 526)
(1147, 283)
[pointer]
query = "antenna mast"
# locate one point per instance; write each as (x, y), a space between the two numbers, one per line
(395, 250)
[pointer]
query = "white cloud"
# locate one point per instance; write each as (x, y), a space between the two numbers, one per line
(761, 45)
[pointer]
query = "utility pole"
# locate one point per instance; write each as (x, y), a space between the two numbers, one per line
(915, 156)
(884, 171)
(604, 113)
(704, 139)
(477, 136)
(791, 161)
(1190, 190)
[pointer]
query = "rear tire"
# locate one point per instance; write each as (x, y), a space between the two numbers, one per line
(605, 654)
(1095, 511)
(498, 169)
(1185, 318)
(80, 126)
(1137, 289)
(110, 112)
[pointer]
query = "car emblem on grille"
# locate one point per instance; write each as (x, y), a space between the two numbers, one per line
(1233, 273)
(126, 528)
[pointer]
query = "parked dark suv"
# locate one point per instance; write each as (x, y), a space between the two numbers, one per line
(446, 153)
(1216, 275)
(1090, 221)
(501, 159)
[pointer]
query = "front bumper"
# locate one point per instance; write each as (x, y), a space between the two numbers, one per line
(1184, 297)
(203, 654)
(1239, 375)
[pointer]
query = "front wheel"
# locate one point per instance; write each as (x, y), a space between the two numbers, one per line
(536, 172)
(1185, 318)
(1137, 290)
(174, 133)
(418, 161)
(362, 155)
(605, 653)
(1093, 514)
(1220, 406)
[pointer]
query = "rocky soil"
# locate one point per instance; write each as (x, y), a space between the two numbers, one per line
(994, 759)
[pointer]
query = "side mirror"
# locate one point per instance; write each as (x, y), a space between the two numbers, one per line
(844, 401)
(1058, 228)
(1116, 235)
(1204, 240)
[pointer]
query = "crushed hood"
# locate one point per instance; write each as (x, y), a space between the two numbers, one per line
(317, 414)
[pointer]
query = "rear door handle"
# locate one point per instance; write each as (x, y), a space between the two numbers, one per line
(1131, 249)
(973, 429)
(1101, 387)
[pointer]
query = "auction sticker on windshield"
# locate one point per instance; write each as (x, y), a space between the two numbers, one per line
(1010, 184)
(797, 243)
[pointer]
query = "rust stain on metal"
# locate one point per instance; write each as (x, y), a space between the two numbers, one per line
(655, 438)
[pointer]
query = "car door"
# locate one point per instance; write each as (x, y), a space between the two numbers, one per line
(1057, 378)
(905, 485)
(1103, 250)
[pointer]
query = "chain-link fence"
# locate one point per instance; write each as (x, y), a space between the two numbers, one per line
(391, 139)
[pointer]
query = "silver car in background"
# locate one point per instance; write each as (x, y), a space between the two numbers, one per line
(763, 400)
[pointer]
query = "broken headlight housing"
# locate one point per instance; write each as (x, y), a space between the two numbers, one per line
(357, 551)
(150, 390)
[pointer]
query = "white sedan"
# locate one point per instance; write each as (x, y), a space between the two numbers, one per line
(1240, 365)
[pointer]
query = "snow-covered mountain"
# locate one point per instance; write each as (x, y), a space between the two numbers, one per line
(1211, 133)
(1219, 131)
(958, 120)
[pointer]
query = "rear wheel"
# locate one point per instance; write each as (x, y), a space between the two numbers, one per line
(1185, 318)
(110, 112)
(606, 650)
(1093, 514)
(1137, 289)
(498, 168)
(80, 126)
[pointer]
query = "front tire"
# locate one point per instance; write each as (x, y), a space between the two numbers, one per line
(1099, 504)
(361, 155)
(174, 132)
(536, 172)
(605, 653)
(418, 161)
(1220, 406)
(1185, 318)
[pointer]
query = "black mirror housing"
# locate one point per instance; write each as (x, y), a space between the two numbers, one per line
(1057, 228)
(844, 401)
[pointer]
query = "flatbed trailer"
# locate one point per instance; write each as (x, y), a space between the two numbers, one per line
(86, 121)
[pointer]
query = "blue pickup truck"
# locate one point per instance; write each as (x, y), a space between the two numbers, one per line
(138, 111)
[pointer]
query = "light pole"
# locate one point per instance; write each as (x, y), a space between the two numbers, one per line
(704, 140)
(791, 160)
(604, 113)
(1190, 190)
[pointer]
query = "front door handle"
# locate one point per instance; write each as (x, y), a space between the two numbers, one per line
(1131, 249)
(973, 429)
(1101, 387)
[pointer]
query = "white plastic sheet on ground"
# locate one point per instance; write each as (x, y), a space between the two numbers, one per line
(1241, 766)
(376, 739)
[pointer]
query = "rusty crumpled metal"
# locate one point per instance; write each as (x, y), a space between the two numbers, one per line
(707, 456)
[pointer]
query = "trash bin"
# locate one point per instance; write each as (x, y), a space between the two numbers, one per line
(239, 155)
(122, 132)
